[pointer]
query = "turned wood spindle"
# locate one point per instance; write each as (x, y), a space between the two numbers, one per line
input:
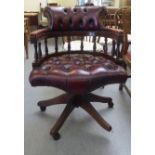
(39, 51)
(118, 49)
(105, 45)
(46, 47)
(81, 43)
(36, 53)
(56, 44)
(113, 48)
(122, 50)
(94, 46)
(69, 44)
(98, 39)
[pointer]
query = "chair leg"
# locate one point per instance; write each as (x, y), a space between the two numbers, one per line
(121, 86)
(127, 90)
(62, 99)
(26, 45)
(54, 131)
(91, 110)
(95, 98)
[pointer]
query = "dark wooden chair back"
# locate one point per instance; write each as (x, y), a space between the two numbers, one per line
(110, 18)
(123, 21)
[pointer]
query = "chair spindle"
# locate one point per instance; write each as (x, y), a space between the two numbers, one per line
(39, 51)
(98, 39)
(81, 43)
(94, 46)
(113, 48)
(46, 47)
(36, 53)
(69, 43)
(56, 44)
(105, 45)
(118, 49)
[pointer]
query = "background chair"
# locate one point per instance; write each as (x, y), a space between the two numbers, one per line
(123, 21)
(109, 22)
(77, 72)
(26, 35)
(33, 19)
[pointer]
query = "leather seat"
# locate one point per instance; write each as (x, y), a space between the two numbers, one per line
(76, 73)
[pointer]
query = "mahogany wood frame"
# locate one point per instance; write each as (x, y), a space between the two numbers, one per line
(76, 100)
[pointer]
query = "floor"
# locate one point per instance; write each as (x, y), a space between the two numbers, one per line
(80, 135)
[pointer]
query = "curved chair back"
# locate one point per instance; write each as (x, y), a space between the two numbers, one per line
(80, 22)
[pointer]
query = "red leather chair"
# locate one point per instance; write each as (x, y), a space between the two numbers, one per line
(78, 73)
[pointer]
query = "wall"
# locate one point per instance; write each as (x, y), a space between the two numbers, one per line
(122, 3)
(65, 3)
(33, 5)
(116, 3)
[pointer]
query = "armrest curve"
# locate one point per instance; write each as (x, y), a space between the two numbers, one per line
(38, 34)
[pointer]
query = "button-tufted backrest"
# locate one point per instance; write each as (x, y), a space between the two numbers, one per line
(77, 22)
(78, 18)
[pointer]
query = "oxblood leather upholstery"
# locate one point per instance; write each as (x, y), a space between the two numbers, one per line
(79, 18)
(77, 73)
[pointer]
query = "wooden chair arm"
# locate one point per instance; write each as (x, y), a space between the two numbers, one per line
(38, 34)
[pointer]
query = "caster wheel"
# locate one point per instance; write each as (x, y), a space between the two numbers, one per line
(56, 136)
(110, 104)
(120, 87)
(42, 108)
(109, 128)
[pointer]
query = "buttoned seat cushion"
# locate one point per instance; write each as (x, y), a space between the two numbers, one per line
(77, 73)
